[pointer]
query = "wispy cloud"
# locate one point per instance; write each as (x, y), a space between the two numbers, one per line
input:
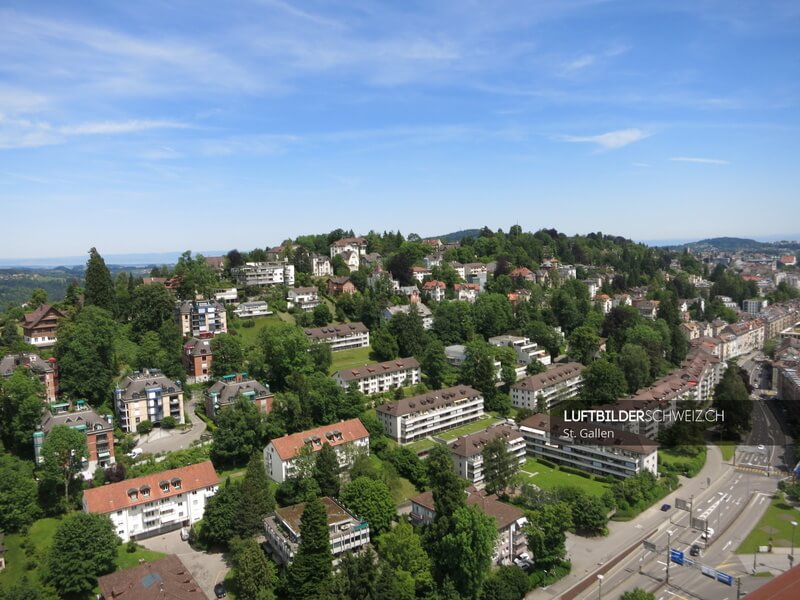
(702, 161)
(610, 140)
(118, 127)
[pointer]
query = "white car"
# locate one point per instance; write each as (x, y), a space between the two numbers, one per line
(708, 533)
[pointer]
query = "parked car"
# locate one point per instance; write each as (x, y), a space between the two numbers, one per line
(695, 551)
(219, 590)
(665, 507)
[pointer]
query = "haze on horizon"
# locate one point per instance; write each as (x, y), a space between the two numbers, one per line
(151, 127)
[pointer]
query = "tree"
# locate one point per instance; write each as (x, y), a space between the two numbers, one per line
(84, 547)
(18, 507)
(228, 355)
(196, 277)
(732, 398)
(98, 287)
(85, 354)
(23, 590)
(372, 501)
(322, 315)
(20, 410)
(583, 344)
(499, 466)
(635, 364)
(409, 332)
(434, 364)
(254, 574)
(239, 434)
(356, 577)
(637, 594)
(221, 515)
(62, 456)
(505, 583)
(467, 549)
(589, 514)
(479, 371)
(326, 470)
(257, 498)
(545, 336)
(296, 490)
(401, 547)
(545, 533)
(38, 297)
(285, 351)
(453, 322)
(603, 382)
(384, 344)
(311, 568)
(144, 427)
(122, 297)
(152, 305)
(493, 314)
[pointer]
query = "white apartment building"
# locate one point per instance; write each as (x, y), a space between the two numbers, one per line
(459, 269)
(257, 308)
(608, 452)
(754, 306)
(201, 318)
(424, 312)
(526, 350)
(304, 298)
(154, 504)
(381, 377)
(435, 290)
(467, 451)
(147, 396)
(467, 292)
(347, 533)
(340, 337)
(264, 273)
(417, 417)
(226, 295)
(321, 266)
(358, 245)
(559, 383)
(420, 273)
(349, 438)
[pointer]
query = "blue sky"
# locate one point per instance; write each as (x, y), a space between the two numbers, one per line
(162, 125)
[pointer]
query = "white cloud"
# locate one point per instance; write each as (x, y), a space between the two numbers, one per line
(702, 161)
(116, 127)
(581, 62)
(610, 140)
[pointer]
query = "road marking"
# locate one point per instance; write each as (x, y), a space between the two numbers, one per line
(761, 500)
(725, 547)
(731, 488)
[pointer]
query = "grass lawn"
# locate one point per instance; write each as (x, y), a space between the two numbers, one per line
(423, 444)
(680, 463)
(126, 560)
(347, 359)
(776, 524)
(469, 428)
(249, 335)
(548, 478)
(40, 535)
(727, 449)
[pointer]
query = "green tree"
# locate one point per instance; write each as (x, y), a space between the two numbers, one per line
(499, 466)
(20, 410)
(589, 514)
(603, 382)
(84, 547)
(505, 583)
(228, 355)
(18, 508)
(152, 305)
(221, 516)
(372, 501)
(62, 456)
(322, 315)
(239, 434)
(38, 297)
(122, 297)
(196, 277)
(583, 344)
(545, 533)
(24, 590)
(545, 336)
(326, 470)
(479, 371)
(144, 427)
(493, 314)
(409, 332)
(453, 322)
(257, 498)
(434, 365)
(635, 364)
(731, 397)
(467, 549)
(637, 594)
(254, 574)
(384, 344)
(85, 354)
(98, 287)
(284, 350)
(401, 547)
(311, 568)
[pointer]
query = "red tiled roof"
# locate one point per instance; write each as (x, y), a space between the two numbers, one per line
(114, 496)
(351, 430)
(783, 587)
(429, 285)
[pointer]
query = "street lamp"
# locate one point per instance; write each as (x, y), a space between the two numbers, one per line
(791, 554)
(669, 545)
(600, 587)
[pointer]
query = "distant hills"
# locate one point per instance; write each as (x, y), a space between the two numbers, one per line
(457, 236)
(735, 244)
(123, 260)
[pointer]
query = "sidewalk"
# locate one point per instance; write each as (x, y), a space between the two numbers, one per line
(588, 554)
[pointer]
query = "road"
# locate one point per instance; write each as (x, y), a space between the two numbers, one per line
(169, 440)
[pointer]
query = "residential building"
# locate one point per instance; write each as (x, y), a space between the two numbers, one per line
(511, 539)
(621, 300)
(304, 298)
(478, 278)
(349, 438)
(558, 383)
(411, 292)
(341, 285)
(753, 306)
(154, 504)
(378, 275)
(417, 417)
(347, 532)
(381, 377)
(420, 273)
(39, 327)
(321, 266)
(224, 392)
(226, 295)
(648, 309)
(433, 260)
(456, 354)
(162, 579)
(591, 284)
(258, 274)
(201, 318)
(434, 290)
(99, 432)
(467, 451)
(606, 452)
(526, 350)
(197, 360)
(467, 292)
(423, 311)
(604, 303)
(523, 273)
(46, 371)
(357, 245)
(148, 395)
(474, 269)
(216, 264)
(352, 259)
(459, 269)
(788, 260)
(340, 337)
(257, 308)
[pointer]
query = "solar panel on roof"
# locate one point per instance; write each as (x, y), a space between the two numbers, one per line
(150, 579)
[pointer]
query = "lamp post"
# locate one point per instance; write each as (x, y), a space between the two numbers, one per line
(599, 587)
(669, 545)
(791, 554)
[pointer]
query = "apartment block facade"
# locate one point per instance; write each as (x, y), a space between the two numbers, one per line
(381, 377)
(147, 396)
(257, 274)
(201, 318)
(304, 298)
(340, 337)
(46, 371)
(224, 393)
(467, 451)
(197, 360)
(558, 383)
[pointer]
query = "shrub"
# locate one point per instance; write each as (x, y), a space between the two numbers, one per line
(547, 463)
(247, 324)
(169, 422)
(574, 471)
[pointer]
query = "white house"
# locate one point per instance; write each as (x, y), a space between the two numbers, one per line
(321, 266)
(427, 316)
(304, 298)
(154, 504)
(560, 382)
(259, 308)
(435, 290)
(340, 337)
(381, 377)
(467, 451)
(264, 273)
(526, 350)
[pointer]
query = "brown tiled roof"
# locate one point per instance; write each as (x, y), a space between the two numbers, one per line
(470, 445)
(32, 318)
(164, 579)
(428, 401)
(390, 366)
(333, 331)
(215, 262)
(114, 496)
(433, 283)
(553, 375)
(504, 514)
(350, 430)
(352, 240)
(782, 587)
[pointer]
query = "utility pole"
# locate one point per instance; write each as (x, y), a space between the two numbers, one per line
(669, 545)
(738, 588)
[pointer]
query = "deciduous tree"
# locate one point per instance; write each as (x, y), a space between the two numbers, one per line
(20, 410)
(499, 466)
(62, 454)
(228, 355)
(371, 500)
(18, 507)
(239, 433)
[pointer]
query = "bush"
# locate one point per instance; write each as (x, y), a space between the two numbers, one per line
(574, 471)
(169, 422)
(606, 479)
(144, 427)
(547, 463)
(248, 323)
(130, 547)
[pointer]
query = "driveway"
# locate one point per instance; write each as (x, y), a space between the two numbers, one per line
(207, 568)
(169, 440)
